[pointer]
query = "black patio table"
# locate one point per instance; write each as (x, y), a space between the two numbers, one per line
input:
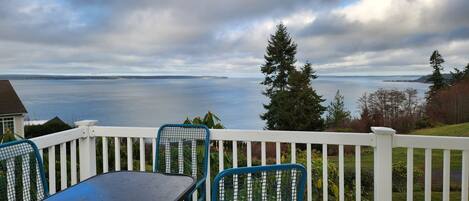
(128, 185)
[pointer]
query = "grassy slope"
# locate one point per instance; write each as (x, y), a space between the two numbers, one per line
(460, 130)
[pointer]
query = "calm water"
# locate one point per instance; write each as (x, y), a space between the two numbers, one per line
(237, 101)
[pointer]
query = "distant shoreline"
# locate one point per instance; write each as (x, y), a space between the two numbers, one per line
(417, 80)
(423, 79)
(103, 77)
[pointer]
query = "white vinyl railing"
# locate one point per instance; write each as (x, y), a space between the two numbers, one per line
(382, 140)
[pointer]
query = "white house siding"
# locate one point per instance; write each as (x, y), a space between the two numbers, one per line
(19, 125)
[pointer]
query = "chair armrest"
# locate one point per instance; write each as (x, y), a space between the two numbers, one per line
(200, 183)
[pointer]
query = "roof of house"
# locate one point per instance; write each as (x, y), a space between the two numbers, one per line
(10, 103)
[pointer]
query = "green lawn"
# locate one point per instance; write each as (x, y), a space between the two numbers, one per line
(460, 130)
(419, 196)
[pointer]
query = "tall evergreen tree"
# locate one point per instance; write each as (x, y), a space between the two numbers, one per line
(294, 104)
(337, 115)
(437, 80)
(279, 60)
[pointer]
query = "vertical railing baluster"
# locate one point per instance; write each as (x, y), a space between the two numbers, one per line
(220, 168)
(153, 153)
(73, 162)
(341, 173)
(105, 156)
(465, 175)
(325, 183)
(264, 175)
(220, 156)
(51, 153)
(293, 152)
(142, 155)
(446, 174)
(263, 154)
(428, 174)
(410, 174)
(277, 153)
(63, 166)
(117, 153)
(130, 155)
(358, 173)
(249, 153)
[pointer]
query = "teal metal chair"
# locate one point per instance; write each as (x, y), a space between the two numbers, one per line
(272, 182)
(21, 172)
(183, 149)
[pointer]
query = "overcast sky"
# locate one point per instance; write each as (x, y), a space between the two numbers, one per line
(217, 37)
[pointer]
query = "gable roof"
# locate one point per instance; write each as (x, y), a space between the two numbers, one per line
(10, 103)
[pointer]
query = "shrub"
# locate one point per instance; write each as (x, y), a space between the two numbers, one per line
(399, 176)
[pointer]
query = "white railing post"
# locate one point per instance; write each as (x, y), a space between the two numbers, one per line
(87, 152)
(383, 163)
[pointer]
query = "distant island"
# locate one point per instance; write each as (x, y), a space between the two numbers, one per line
(422, 79)
(102, 77)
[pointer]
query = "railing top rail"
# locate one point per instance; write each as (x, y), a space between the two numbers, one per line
(364, 139)
(58, 138)
(431, 142)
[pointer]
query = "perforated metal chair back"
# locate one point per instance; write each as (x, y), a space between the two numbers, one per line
(272, 182)
(21, 172)
(183, 149)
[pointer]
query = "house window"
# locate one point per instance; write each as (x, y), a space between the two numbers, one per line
(7, 125)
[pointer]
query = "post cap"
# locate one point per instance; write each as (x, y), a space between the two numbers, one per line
(86, 123)
(383, 130)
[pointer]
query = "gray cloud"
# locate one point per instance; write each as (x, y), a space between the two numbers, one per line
(227, 37)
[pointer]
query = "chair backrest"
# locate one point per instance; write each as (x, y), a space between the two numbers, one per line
(182, 149)
(21, 172)
(272, 182)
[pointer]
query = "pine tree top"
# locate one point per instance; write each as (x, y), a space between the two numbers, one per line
(437, 79)
(279, 60)
(436, 60)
